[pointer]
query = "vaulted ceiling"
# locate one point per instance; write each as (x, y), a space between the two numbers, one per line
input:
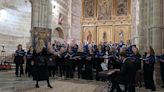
(20, 5)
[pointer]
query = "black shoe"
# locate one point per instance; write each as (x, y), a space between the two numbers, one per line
(50, 86)
(36, 86)
(153, 89)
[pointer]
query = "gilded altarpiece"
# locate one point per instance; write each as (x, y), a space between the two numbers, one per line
(89, 8)
(111, 20)
(104, 9)
(105, 34)
(89, 34)
(39, 33)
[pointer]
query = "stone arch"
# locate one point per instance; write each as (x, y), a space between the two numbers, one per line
(59, 32)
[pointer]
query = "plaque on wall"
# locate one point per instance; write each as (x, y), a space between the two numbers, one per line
(41, 34)
(89, 8)
(104, 9)
(121, 7)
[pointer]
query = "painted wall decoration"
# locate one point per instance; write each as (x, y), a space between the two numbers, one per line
(111, 23)
(122, 33)
(105, 34)
(89, 34)
(121, 7)
(41, 33)
(104, 9)
(89, 8)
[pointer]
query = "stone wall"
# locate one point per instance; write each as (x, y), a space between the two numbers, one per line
(135, 22)
(71, 12)
(76, 15)
(15, 24)
(151, 24)
(60, 7)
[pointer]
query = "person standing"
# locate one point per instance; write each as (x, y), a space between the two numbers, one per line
(29, 57)
(137, 61)
(161, 59)
(40, 64)
(149, 62)
(19, 60)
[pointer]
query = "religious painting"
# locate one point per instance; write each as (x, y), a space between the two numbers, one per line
(89, 8)
(89, 34)
(122, 33)
(121, 7)
(105, 34)
(41, 34)
(104, 9)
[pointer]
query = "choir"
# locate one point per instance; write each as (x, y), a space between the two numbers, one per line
(88, 60)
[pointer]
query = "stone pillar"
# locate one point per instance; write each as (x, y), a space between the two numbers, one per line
(70, 19)
(41, 20)
(156, 27)
(151, 26)
(156, 33)
(142, 25)
(41, 13)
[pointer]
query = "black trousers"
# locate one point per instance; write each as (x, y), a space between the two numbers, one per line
(115, 79)
(69, 69)
(162, 72)
(19, 69)
(60, 66)
(80, 66)
(28, 69)
(51, 70)
(148, 77)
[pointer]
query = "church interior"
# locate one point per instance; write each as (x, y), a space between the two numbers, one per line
(80, 22)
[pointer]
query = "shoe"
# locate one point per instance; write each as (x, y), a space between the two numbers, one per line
(50, 86)
(36, 86)
(153, 89)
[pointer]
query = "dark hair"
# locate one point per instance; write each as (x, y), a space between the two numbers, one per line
(123, 54)
(151, 50)
(19, 45)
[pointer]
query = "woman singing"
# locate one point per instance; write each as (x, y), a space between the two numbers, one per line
(148, 67)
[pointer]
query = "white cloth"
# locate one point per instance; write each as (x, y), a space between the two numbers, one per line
(104, 66)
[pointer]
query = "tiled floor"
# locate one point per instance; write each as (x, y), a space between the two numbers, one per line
(9, 83)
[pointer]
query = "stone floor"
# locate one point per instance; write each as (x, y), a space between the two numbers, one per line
(9, 83)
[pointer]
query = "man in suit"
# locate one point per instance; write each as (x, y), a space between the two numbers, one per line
(125, 76)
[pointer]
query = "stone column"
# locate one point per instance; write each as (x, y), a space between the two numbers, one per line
(41, 13)
(156, 33)
(142, 25)
(156, 28)
(70, 19)
(41, 20)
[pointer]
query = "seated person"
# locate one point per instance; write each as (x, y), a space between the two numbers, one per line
(125, 76)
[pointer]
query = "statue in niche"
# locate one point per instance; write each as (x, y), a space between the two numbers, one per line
(122, 7)
(89, 8)
(89, 37)
(121, 35)
(61, 19)
(104, 37)
(104, 9)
